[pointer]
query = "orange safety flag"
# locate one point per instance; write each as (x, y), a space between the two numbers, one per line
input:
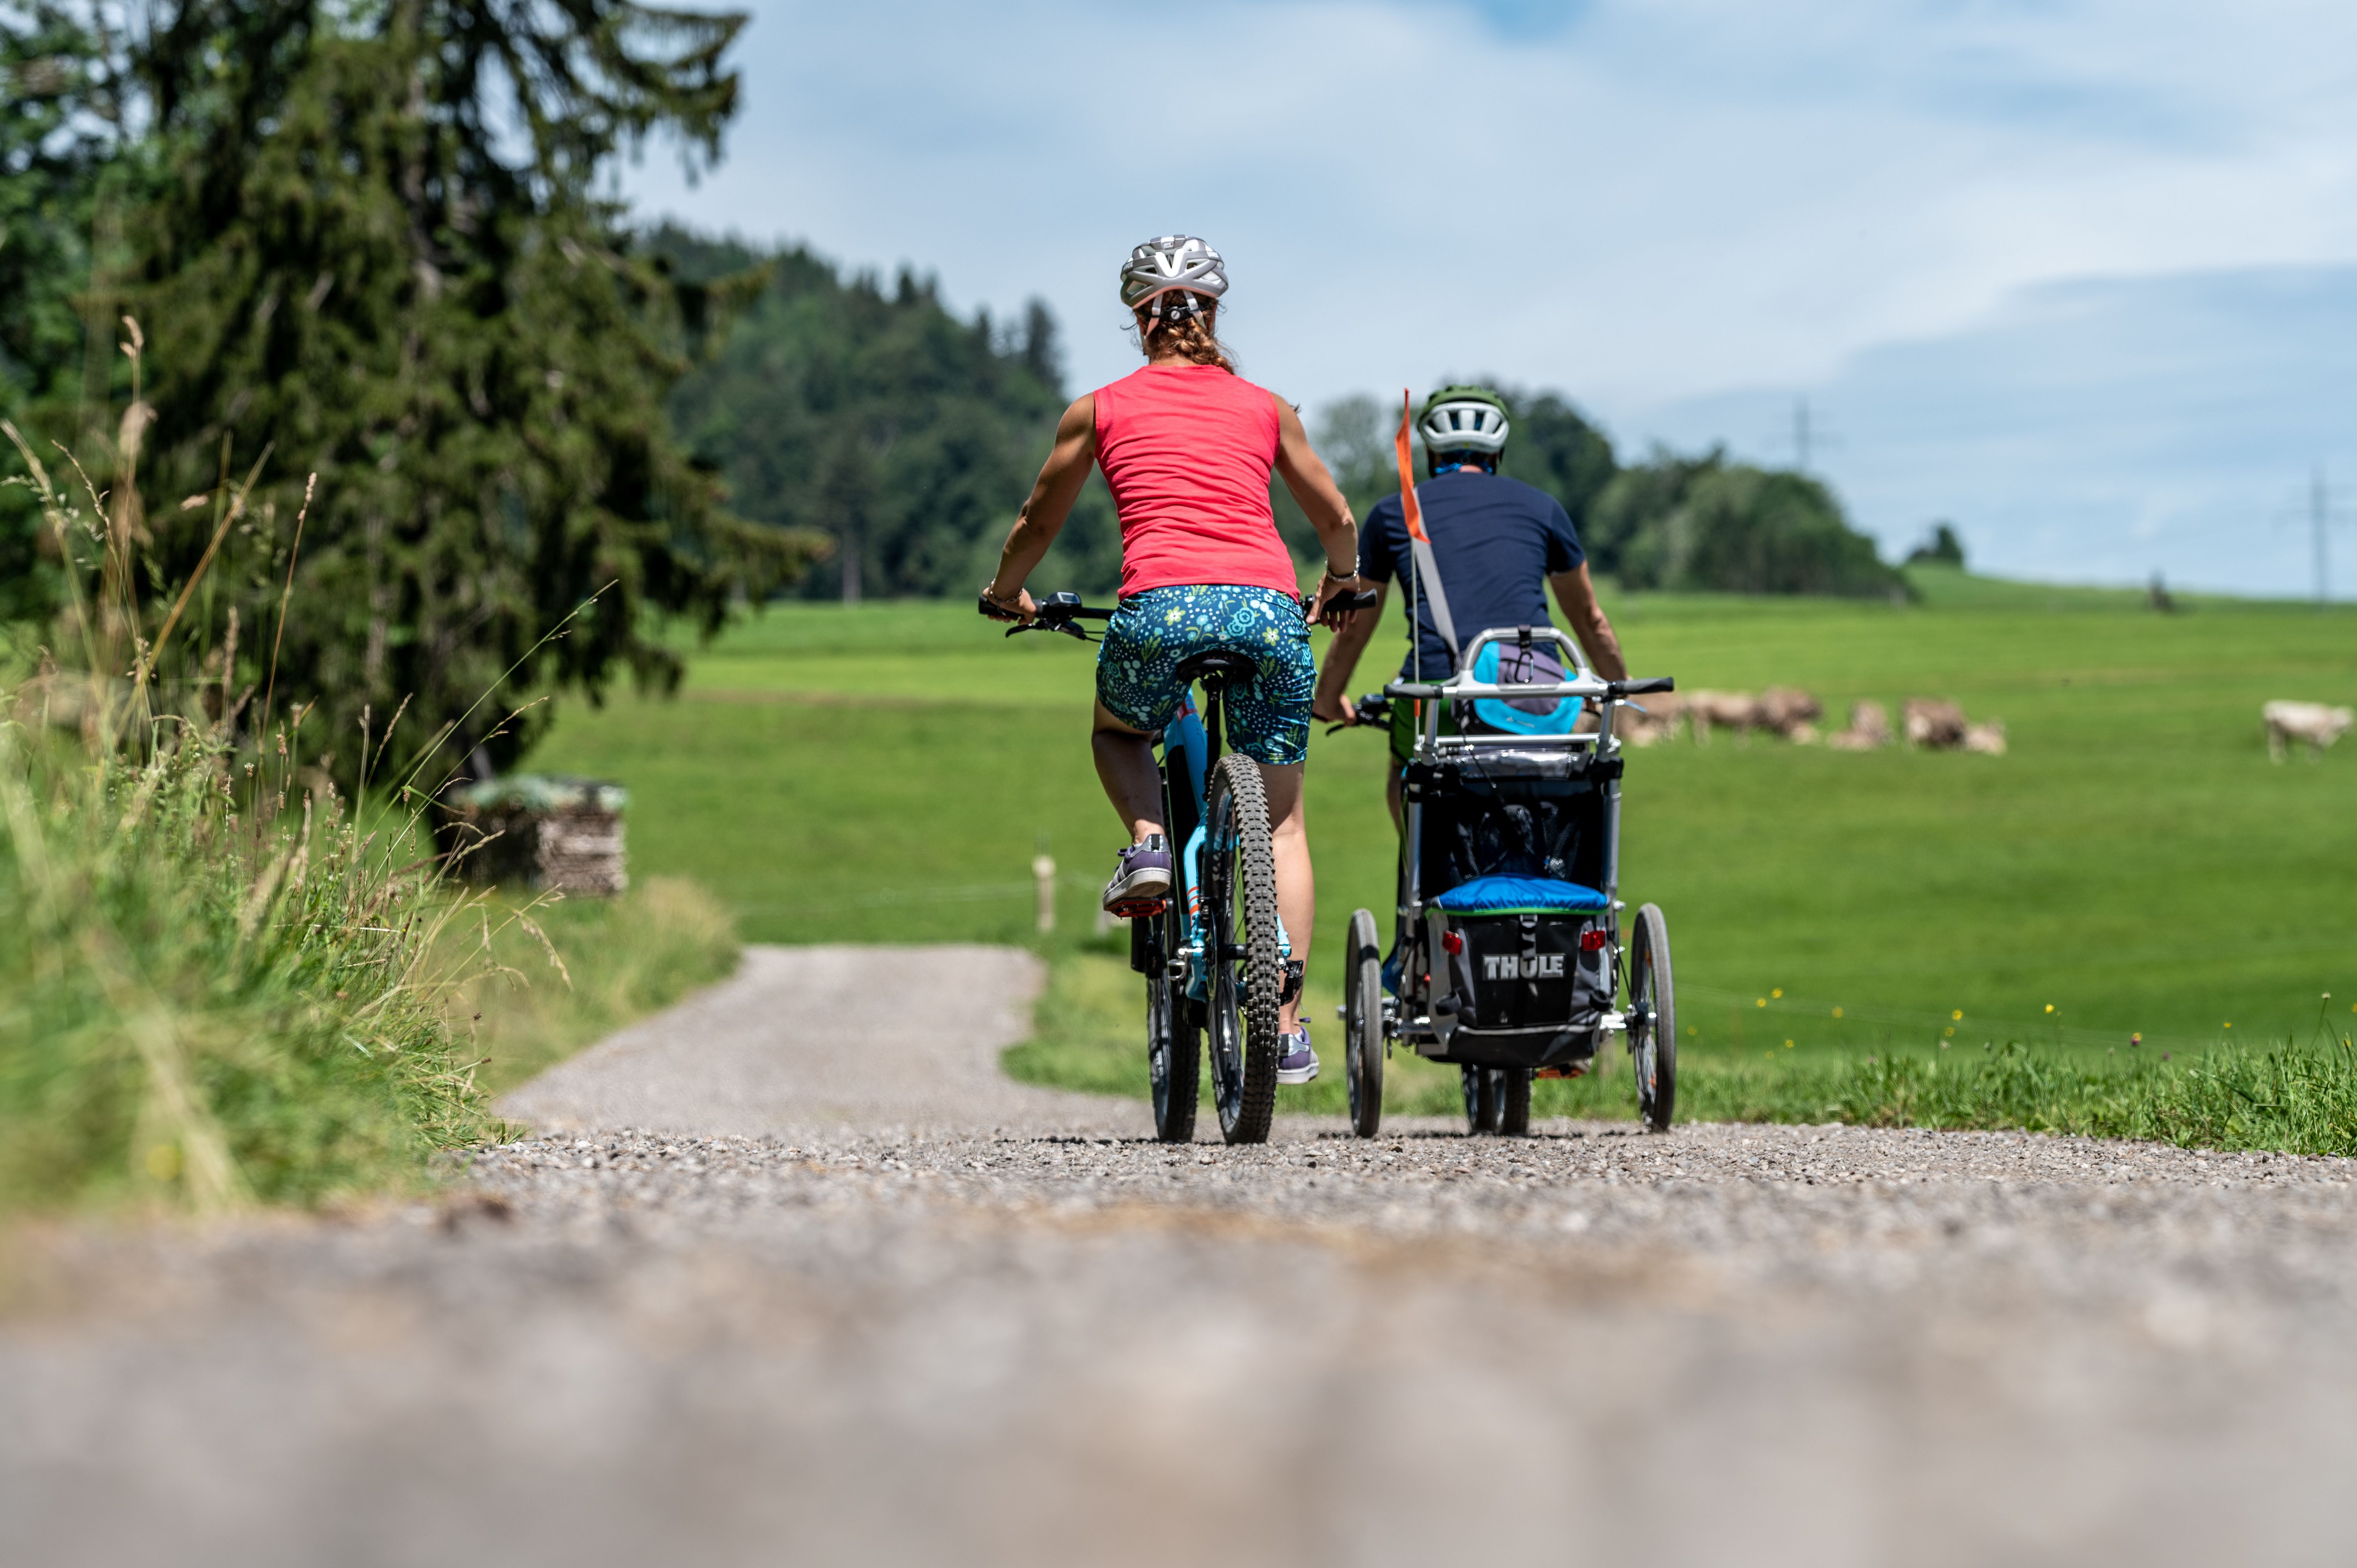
(1420, 543)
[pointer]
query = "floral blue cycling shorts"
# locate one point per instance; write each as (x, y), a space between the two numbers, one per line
(1152, 632)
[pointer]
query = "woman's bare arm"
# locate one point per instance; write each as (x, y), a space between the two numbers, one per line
(1304, 475)
(1052, 495)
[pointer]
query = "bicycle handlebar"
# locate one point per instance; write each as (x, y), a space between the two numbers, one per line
(1370, 711)
(1057, 612)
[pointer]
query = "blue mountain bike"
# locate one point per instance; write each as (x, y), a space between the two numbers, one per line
(1217, 961)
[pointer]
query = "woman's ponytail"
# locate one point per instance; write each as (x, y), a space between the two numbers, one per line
(1177, 323)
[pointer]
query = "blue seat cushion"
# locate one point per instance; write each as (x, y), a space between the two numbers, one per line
(1518, 895)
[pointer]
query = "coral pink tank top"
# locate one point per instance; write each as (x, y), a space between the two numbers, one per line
(1188, 450)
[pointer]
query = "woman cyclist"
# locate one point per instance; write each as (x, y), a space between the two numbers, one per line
(1188, 446)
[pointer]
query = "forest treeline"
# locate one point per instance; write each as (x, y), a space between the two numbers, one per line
(875, 416)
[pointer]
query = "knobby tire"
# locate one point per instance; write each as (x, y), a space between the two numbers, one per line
(1242, 883)
(1514, 1101)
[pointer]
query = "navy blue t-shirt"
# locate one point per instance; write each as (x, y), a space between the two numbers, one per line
(1495, 542)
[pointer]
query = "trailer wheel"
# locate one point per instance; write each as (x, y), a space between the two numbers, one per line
(1363, 1024)
(1654, 1019)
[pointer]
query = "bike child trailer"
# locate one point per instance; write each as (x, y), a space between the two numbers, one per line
(1511, 960)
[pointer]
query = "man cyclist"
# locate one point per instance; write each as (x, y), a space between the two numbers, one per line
(1187, 446)
(1498, 545)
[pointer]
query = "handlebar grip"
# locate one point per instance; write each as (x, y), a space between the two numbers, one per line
(1639, 688)
(982, 604)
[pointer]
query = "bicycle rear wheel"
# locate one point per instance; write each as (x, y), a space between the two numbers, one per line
(1514, 1101)
(1485, 1093)
(1173, 1045)
(1240, 949)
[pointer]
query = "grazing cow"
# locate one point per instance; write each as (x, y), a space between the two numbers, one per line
(1735, 710)
(2314, 723)
(1933, 723)
(1791, 713)
(1658, 719)
(1869, 727)
(1988, 739)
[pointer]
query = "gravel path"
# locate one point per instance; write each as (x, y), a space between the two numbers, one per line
(881, 1335)
(815, 1040)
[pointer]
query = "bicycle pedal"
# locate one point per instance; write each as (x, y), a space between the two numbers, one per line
(1137, 908)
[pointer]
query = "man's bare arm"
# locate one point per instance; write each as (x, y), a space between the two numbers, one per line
(1052, 495)
(1342, 661)
(1576, 594)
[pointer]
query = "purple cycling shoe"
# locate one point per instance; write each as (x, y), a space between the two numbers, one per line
(1296, 1063)
(1142, 884)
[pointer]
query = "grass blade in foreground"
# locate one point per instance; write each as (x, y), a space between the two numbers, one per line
(197, 1011)
(2299, 1099)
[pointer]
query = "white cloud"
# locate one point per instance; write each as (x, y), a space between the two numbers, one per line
(1641, 204)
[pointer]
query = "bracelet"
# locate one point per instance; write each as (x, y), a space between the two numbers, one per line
(1334, 577)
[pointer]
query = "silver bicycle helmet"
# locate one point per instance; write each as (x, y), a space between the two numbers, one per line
(1464, 419)
(1172, 262)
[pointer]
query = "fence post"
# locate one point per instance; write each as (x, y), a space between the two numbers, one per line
(1044, 869)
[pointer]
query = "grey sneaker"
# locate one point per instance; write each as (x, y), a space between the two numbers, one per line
(1142, 884)
(1296, 1063)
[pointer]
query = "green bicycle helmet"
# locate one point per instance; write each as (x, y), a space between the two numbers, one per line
(1464, 419)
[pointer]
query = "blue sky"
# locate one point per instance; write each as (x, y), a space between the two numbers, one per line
(2078, 274)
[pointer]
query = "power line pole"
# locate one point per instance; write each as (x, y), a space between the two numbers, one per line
(1808, 435)
(2319, 518)
(2322, 516)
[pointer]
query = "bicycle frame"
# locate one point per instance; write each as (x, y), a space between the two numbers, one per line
(1190, 748)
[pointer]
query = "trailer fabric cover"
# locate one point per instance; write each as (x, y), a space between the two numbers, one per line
(1504, 895)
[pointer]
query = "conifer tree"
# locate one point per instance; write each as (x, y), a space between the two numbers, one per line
(370, 240)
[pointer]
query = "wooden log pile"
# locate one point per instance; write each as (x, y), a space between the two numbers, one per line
(552, 833)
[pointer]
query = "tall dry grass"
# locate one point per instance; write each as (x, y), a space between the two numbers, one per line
(216, 986)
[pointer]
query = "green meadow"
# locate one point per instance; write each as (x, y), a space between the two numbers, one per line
(2134, 865)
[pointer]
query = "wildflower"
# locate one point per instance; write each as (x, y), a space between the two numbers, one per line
(1958, 1015)
(2136, 1039)
(1761, 1003)
(1837, 1012)
(2050, 1006)
(1777, 992)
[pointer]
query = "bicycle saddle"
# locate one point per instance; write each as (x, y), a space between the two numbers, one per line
(1222, 662)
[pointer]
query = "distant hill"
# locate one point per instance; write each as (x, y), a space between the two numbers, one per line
(877, 417)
